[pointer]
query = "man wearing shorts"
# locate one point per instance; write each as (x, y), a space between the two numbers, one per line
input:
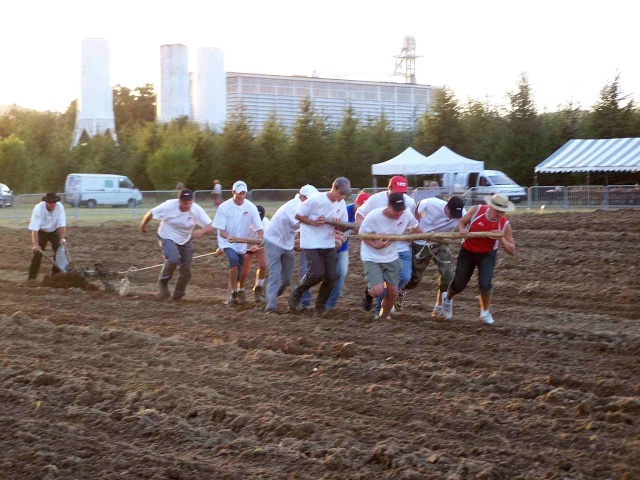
(235, 218)
(380, 258)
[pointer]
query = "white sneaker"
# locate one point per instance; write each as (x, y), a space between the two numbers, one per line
(447, 307)
(486, 317)
(437, 311)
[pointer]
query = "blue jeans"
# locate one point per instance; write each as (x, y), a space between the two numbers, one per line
(281, 264)
(177, 256)
(406, 257)
(305, 300)
(342, 265)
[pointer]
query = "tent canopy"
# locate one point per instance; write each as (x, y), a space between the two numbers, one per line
(411, 162)
(610, 155)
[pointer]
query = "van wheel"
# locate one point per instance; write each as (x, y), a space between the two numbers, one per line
(131, 203)
(91, 203)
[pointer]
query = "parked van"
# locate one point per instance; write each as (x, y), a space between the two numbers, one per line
(92, 189)
(486, 182)
(6, 196)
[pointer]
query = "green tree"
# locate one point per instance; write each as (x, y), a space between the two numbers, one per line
(613, 115)
(14, 163)
(272, 145)
(441, 125)
(350, 156)
(137, 105)
(309, 150)
(169, 164)
(482, 128)
(237, 150)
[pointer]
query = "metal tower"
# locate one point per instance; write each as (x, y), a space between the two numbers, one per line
(406, 63)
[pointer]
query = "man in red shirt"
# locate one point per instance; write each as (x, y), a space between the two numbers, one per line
(480, 252)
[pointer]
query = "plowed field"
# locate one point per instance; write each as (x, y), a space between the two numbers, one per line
(94, 385)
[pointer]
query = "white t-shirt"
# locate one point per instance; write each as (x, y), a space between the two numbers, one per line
(43, 219)
(217, 188)
(319, 205)
(377, 222)
(252, 231)
(433, 218)
(283, 226)
(237, 221)
(176, 225)
(381, 200)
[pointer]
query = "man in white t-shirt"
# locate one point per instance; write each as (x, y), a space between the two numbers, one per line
(380, 258)
(260, 255)
(48, 224)
(178, 218)
(435, 215)
(235, 218)
(279, 240)
(397, 184)
(318, 241)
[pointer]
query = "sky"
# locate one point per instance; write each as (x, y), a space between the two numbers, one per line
(478, 48)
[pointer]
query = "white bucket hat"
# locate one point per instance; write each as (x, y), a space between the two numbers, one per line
(500, 202)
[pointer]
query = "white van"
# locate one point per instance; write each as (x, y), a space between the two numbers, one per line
(92, 189)
(486, 182)
(6, 196)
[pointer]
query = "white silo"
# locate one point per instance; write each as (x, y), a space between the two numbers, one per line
(211, 89)
(94, 108)
(175, 88)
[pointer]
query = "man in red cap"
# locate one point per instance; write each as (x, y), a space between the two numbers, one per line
(342, 264)
(397, 184)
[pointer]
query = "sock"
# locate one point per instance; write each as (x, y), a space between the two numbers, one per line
(261, 282)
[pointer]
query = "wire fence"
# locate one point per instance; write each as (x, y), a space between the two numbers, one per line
(553, 197)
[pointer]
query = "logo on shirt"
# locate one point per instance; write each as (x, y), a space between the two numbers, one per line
(398, 224)
(245, 213)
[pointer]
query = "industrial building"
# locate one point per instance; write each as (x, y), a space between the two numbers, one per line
(402, 103)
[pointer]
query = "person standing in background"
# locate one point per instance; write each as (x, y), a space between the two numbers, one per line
(217, 193)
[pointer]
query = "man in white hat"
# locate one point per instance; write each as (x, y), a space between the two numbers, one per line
(235, 218)
(48, 224)
(480, 252)
(279, 239)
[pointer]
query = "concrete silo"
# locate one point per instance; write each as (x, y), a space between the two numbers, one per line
(175, 86)
(95, 106)
(211, 89)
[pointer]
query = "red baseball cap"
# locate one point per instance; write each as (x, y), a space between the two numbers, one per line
(361, 198)
(398, 184)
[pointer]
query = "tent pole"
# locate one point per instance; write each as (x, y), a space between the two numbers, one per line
(375, 182)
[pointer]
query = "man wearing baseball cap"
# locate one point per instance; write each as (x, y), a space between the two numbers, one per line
(235, 218)
(178, 218)
(397, 184)
(279, 240)
(435, 215)
(380, 258)
(318, 242)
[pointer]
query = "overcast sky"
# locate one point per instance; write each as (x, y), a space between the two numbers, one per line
(569, 49)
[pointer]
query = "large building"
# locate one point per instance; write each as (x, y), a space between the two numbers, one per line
(402, 103)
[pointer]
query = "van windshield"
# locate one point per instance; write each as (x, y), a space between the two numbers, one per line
(125, 183)
(501, 180)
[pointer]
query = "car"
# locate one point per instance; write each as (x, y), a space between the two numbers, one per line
(6, 196)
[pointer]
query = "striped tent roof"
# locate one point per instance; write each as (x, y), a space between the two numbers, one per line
(609, 155)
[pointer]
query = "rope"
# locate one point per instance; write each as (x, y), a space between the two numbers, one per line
(132, 270)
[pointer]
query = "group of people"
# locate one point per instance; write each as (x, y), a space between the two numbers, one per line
(317, 224)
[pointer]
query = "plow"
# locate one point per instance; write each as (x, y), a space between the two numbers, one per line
(73, 276)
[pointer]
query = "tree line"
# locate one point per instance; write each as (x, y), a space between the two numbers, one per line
(35, 150)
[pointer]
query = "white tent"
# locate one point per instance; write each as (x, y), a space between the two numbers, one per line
(602, 155)
(411, 162)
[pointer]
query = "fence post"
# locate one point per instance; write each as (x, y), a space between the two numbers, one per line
(606, 197)
(565, 198)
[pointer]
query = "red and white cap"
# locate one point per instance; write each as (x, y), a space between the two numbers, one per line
(398, 184)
